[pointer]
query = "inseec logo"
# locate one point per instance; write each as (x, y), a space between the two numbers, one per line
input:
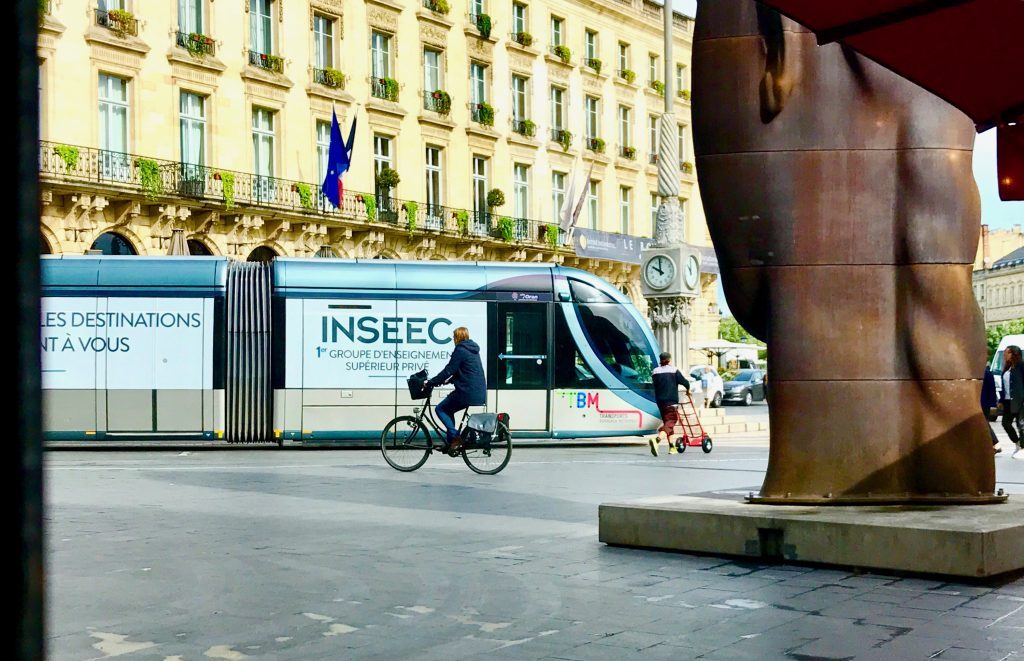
(370, 329)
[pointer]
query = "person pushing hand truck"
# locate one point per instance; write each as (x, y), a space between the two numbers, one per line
(667, 379)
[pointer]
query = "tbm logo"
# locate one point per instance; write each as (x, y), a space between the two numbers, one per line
(389, 330)
(586, 400)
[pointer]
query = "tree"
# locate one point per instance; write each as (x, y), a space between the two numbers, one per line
(729, 329)
(995, 333)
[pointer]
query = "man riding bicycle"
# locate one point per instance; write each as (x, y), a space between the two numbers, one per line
(465, 371)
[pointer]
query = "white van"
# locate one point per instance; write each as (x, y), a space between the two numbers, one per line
(997, 360)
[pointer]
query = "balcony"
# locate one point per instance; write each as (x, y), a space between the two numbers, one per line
(384, 88)
(329, 77)
(437, 6)
(627, 75)
(482, 113)
(593, 63)
(196, 44)
(562, 137)
(628, 153)
(596, 145)
(265, 61)
(562, 52)
(524, 127)
(521, 38)
(482, 23)
(119, 21)
(125, 176)
(652, 158)
(437, 101)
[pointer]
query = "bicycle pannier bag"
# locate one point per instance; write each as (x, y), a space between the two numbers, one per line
(418, 389)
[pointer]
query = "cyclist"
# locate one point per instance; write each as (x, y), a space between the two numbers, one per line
(466, 372)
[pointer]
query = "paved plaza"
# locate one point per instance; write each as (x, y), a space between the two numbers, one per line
(302, 554)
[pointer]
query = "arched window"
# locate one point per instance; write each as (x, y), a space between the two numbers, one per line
(44, 246)
(261, 254)
(196, 247)
(112, 243)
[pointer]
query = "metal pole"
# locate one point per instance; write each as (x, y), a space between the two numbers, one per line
(667, 16)
(669, 229)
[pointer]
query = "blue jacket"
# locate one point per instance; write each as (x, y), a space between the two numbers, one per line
(466, 372)
(988, 390)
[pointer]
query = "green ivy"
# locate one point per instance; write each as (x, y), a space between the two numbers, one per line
(196, 44)
(275, 63)
(305, 195)
(551, 234)
(597, 144)
(334, 77)
(524, 38)
(227, 180)
(444, 101)
(565, 139)
(68, 154)
(595, 64)
(529, 127)
(390, 88)
(370, 202)
(149, 177)
(563, 52)
(462, 221)
(495, 198)
(410, 214)
(44, 6)
(684, 95)
(507, 228)
(483, 23)
(629, 75)
(440, 6)
(658, 87)
(485, 113)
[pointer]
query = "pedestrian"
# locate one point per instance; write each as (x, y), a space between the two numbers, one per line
(988, 403)
(667, 379)
(466, 372)
(706, 381)
(1013, 396)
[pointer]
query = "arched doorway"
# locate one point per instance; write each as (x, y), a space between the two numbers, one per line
(196, 247)
(44, 246)
(261, 254)
(112, 243)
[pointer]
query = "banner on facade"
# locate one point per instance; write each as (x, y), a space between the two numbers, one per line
(607, 245)
(709, 260)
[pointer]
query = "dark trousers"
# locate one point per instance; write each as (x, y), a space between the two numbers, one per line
(669, 419)
(1010, 421)
(447, 410)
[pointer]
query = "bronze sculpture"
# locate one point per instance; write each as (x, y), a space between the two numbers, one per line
(845, 217)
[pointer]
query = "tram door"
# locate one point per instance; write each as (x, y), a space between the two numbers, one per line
(522, 384)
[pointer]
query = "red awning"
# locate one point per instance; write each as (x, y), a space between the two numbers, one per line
(968, 52)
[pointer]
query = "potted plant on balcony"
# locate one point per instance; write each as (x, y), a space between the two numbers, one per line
(528, 128)
(439, 6)
(68, 154)
(595, 64)
(562, 52)
(333, 78)
(198, 44)
(495, 199)
(485, 114)
(483, 24)
(119, 20)
(462, 221)
(523, 38)
(227, 188)
(684, 95)
(658, 87)
(370, 204)
(628, 75)
(687, 167)
(410, 215)
(507, 229)
(551, 236)
(149, 177)
(564, 139)
(442, 102)
(597, 145)
(629, 152)
(305, 194)
(390, 87)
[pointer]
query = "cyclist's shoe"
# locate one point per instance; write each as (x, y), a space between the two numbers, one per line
(455, 446)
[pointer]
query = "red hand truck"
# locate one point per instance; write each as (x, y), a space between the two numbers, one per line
(693, 432)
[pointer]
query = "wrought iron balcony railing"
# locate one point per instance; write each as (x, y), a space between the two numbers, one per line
(266, 61)
(137, 176)
(524, 127)
(384, 88)
(329, 78)
(119, 21)
(437, 101)
(196, 43)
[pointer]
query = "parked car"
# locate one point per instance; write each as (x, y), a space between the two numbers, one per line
(715, 389)
(744, 386)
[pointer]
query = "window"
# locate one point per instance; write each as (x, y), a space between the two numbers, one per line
(381, 152)
(654, 212)
(556, 31)
(652, 132)
(431, 70)
(323, 34)
(592, 205)
(323, 147)
(190, 16)
(620, 342)
(557, 193)
(380, 51)
(680, 78)
(261, 26)
(624, 209)
(478, 82)
(624, 132)
(263, 153)
(590, 42)
(681, 142)
(519, 99)
(521, 190)
(115, 163)
(557, 111)
(435, 196)
(592, 117)
(652, 63)
(192, 125)
(519, 18)
(480, 195)
(477, 7)
(623, 56)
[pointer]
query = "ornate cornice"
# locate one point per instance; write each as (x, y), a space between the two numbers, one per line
(433, 36)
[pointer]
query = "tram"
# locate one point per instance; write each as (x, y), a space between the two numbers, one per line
(318, 350)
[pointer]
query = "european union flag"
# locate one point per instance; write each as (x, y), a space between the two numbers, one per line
(339, 158)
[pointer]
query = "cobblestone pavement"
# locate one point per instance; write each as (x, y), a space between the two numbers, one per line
(301, 554)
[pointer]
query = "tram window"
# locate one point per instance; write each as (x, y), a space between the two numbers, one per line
(571, 371)
(620, 342)
(584, 293)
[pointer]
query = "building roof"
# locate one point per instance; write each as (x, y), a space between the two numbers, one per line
(1015, 258)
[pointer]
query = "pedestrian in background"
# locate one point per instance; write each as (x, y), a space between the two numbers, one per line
(667, 378)
(1013, 396)
(989, 402)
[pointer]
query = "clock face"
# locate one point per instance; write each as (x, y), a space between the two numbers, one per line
(692, 272)
(659, 272)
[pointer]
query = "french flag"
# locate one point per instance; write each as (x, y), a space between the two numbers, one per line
(339, 157)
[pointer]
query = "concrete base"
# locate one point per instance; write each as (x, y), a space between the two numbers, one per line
(966, 540)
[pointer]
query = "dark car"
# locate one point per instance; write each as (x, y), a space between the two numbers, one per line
(744, 386)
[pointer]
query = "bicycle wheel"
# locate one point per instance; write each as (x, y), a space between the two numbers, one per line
(490, 458)
(405, 444)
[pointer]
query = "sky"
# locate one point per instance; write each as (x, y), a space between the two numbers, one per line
(994, 212)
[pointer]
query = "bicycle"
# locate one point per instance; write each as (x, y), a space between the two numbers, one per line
(406, 442)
